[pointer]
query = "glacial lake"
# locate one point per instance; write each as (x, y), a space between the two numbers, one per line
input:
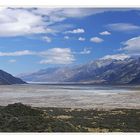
(71, 96)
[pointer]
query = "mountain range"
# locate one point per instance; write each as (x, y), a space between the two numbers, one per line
(102, 71)
(8, 79)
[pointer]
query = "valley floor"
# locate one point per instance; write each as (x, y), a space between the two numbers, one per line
(72, 96)
(22, 118)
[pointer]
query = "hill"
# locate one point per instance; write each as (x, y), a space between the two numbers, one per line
(8, 79)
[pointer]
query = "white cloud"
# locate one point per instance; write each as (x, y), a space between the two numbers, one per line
(123, 27)
(17, 22)
(85, 51)
(116, 56)
(132, 45)
(105, 33)
(12, 60)
(66, 37)
(47, 39)
(51, 56)
(57, 56)
(26, 21)
(81, 39)
(96, 40)
(17, 53)
(60, 55)
(75, 31)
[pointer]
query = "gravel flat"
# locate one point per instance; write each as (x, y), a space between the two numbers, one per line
(71, 96)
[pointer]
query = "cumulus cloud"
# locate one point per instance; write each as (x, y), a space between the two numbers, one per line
(81, 39)
(50, 56)
(116, 56)
(47, 39)
(105, 33)
(132, 45)
(20, 22)
(75, 31)
(123, 27)
(57, 56)
(96, 40)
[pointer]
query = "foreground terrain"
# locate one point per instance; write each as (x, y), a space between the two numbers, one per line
(22, 118)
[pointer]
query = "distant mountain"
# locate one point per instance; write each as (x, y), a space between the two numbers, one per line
(107, 71)
(8, 79)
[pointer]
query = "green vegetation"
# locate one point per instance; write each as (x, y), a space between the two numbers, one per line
(21, 118)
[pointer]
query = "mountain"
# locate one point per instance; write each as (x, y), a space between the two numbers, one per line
(107, 71)
(8, 79)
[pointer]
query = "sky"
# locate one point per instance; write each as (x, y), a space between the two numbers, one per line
(37, 38)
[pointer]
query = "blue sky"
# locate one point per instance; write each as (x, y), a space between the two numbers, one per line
(37, 38)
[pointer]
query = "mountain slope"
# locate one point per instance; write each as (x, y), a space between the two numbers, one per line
(8, 79)
(109, 71)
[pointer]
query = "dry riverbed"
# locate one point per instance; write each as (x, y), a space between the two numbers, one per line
(71, 96)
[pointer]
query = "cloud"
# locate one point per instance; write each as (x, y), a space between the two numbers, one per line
(80, 12)
(18, 22)
(116, 57)
(57, 56)
(75, 31)
(81, 39)
(62, 13)
(47, 39)
(27, 21)
(66, 37)
(17, 53)
(50, 56)
(105, 33)
(96, 40)
(85, 51)
(12, 60)
(59, 28)
(123, 27)
(132, 46)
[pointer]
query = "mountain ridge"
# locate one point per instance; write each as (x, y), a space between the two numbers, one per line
(103, 71)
